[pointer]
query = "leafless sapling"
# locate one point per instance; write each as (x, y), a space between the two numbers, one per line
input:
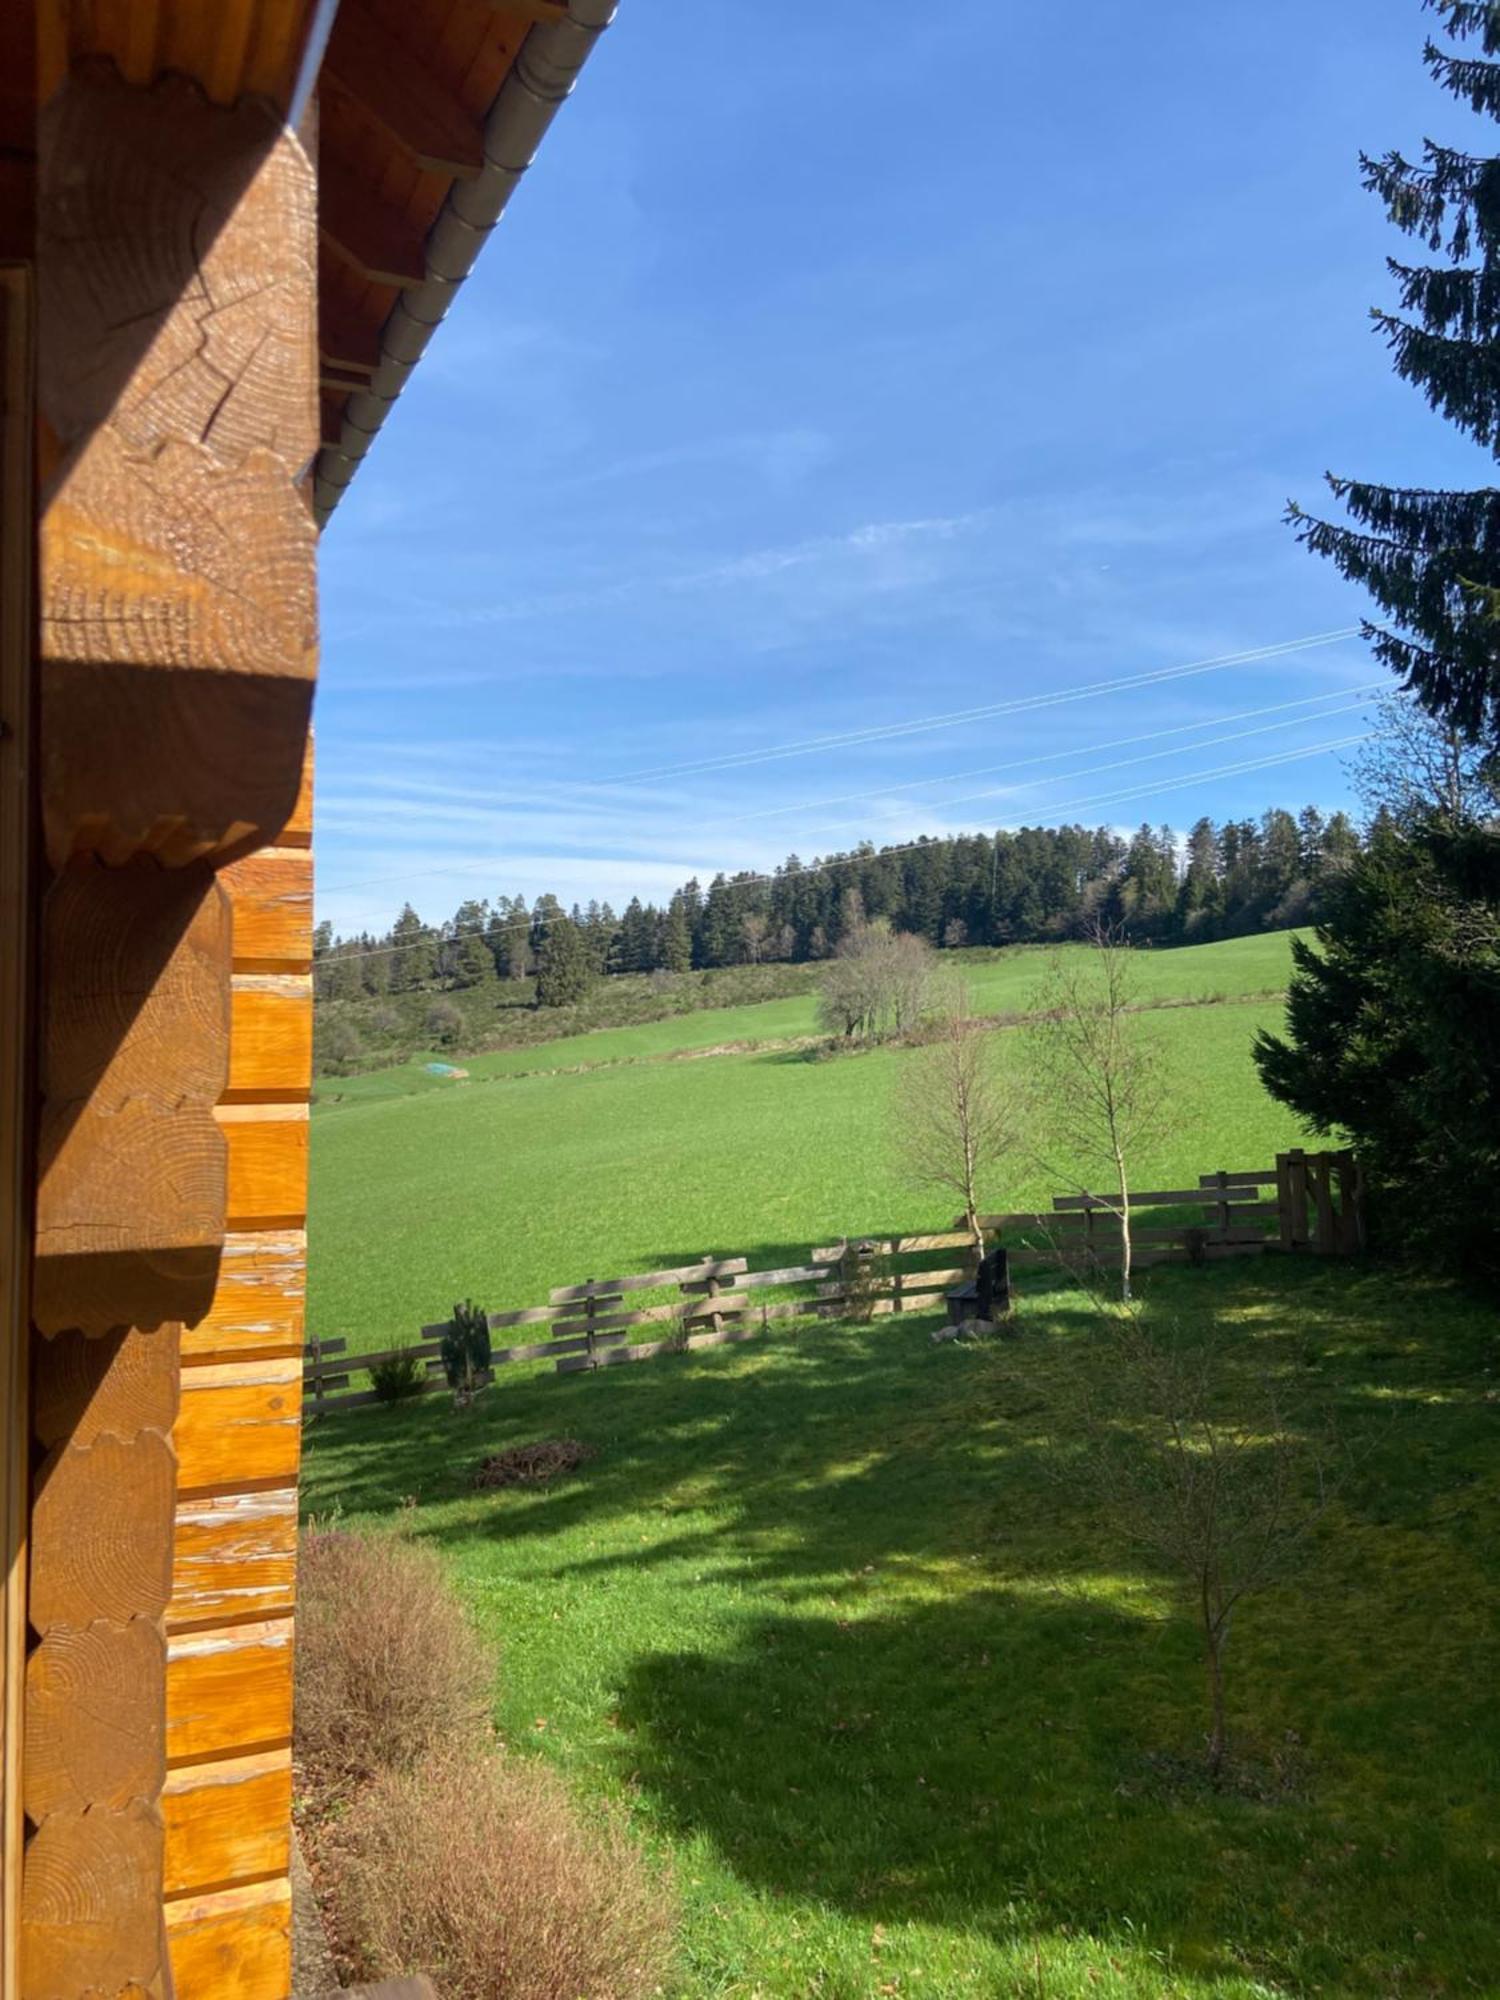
(956, 1118)
(1096, 1084)
(1188, 1451)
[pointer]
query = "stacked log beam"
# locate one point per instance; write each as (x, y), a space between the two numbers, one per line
(177, 399)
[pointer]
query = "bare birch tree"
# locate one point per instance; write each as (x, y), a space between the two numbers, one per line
(1413, 762)
(955, 1120)
(1096, 1087)
(1192, 1457)
(876, 984)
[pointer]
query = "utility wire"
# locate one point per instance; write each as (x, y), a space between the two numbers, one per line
(1356, 696)
(446, 935)
(952, 718)
(1274, 708)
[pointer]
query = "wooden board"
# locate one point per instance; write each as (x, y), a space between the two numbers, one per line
(229, 1691)
(258, 1302)
(234, 1557)
(270, 1044)
(235, 1945)
(227, 1821)
(682, 1274)
(239, 1425)
(1200, 1197)
(18, 992)
(267, 1164)
(398, 94)
(272, 893)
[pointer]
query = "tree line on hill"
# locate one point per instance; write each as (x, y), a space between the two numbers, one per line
(1035, 884)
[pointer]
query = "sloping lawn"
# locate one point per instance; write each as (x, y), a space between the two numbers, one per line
(998, 983)
(499, 1191)
(910, 1719)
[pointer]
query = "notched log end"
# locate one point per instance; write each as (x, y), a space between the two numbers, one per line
(109, 1292)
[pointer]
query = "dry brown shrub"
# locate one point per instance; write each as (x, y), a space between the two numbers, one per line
(479, 1871)
(389, 1670)
(531, 1464)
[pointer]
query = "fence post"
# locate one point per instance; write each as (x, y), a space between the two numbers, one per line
(1291, 1198)
(589, 1310)
(715, 1319)
(1221, 1182)
(317, 1355)
(1351, 1222)
(1320, 1178)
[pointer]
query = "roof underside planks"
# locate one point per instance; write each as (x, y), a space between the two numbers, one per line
(408, 113)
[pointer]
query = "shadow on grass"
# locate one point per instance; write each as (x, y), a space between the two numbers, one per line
(937, 1681)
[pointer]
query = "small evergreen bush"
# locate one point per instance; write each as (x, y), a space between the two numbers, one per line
(466, 1350)
(401, 1375)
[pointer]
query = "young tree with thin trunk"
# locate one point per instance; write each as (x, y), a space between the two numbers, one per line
(955, 1116)
(1414, 765)
(1187, 1450)
(1096, 1085)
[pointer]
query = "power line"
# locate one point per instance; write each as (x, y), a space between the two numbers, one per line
(1120, 764)
(1362, 692)
(446, 935)
(1022, 704)
(952, 718)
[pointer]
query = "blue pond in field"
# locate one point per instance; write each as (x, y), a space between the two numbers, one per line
(444, 1069)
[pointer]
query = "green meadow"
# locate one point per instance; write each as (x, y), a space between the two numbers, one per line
(894, 1699)
(636, 1148)
(904, 1713)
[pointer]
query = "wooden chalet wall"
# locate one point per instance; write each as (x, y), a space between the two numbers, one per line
(176, 395)
(173, 301)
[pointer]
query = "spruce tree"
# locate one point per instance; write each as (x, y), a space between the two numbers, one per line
(677, 937)
(1431, 560)
(414, 952)
(1393, 1034)
(564, 967)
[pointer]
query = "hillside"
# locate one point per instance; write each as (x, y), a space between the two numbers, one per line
(504, 1185)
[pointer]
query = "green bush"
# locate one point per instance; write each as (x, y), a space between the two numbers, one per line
(400, 1375)
(466, 1349)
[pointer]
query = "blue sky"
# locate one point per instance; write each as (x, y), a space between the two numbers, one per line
(840, 368)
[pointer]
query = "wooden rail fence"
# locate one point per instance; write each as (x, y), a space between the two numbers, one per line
(1308, 1202)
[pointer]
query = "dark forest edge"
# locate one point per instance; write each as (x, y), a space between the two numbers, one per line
(500, 975)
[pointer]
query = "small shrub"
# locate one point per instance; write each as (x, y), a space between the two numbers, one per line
(401, 1375)
(389, 1670)
(444, 1023)
(478, 1871)
(861, 1271)
(466, 1349)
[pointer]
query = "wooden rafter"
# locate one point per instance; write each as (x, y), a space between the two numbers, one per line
(543, 12)
(347, 345)
(397, 92)
(375, 240)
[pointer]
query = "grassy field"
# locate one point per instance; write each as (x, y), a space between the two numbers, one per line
(902, 1710)
(499, 1189)
(998, 982)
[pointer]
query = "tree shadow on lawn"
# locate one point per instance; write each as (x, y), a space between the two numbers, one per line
(945, 1702)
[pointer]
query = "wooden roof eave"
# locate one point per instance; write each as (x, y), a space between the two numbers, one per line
(547, 64)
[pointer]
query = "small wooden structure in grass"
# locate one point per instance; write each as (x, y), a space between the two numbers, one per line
(228, 229)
